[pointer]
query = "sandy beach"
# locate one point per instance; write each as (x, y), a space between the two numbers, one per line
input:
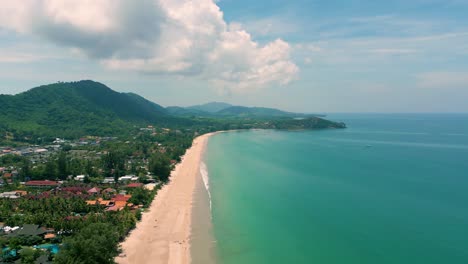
(163, 235)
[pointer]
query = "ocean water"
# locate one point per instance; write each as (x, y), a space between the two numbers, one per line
(389, 189)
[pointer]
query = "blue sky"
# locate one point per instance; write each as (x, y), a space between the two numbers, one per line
(332, 56)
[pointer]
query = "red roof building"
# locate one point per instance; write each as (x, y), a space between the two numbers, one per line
(121, 197)
(42, 183)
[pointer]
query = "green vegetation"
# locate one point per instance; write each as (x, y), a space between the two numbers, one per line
(71, 110)
(75, 109)
(94, 244)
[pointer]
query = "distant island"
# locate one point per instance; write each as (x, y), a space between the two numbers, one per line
(80, 164)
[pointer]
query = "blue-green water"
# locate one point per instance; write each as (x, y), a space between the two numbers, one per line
(389, 189)
(54, 248)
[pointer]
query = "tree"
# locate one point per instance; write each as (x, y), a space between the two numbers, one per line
(29, 255)
(25, 170)
(141, 196)
(62, 165)
(50, 170)
(114, 163)
(3, 242)
(159, 165)
(96, 243)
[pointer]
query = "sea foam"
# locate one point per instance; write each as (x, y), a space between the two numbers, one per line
(206, 180)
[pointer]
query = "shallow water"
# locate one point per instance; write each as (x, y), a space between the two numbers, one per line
(389, 189)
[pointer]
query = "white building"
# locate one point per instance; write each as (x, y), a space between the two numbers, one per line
(80, 177)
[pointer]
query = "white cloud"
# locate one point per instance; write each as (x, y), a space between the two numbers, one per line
(179, 37)
(19, 57)
(271, 26)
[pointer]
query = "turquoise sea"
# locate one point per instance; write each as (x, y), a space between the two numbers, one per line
(388, 189)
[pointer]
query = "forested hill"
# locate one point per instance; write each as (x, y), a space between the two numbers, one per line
(83, 107)
(76, 109)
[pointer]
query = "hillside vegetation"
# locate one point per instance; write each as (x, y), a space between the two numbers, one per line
(81, 108)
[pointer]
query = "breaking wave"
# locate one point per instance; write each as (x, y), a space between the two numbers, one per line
(206, 180)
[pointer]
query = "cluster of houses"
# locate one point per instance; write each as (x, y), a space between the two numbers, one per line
(109, 198)
(35, 151)
(47, 150)
(7, 174)
(116, 202)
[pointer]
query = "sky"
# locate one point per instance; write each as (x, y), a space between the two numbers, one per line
(297, 55)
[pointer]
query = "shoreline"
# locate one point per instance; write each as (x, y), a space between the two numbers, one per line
(164, 233)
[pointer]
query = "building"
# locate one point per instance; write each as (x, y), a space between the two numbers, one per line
(21, 192)
(10, 195)
(80, 178)
(94, 190)
(126, 178)
(42, 184)
(108, 180)
(28, 230)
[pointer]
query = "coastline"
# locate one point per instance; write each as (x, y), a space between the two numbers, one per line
(164, 233)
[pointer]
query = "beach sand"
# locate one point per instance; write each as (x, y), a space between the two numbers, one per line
(163, 235)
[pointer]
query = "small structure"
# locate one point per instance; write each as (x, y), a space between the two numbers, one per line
(101, 202)
(80, 178)
(108, 180)
(49, 236)
(21, 192)
(10, 195)
(94, 190)
(91, 202)
(126, 178)
(121, 197)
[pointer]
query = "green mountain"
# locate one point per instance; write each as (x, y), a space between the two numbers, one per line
(224, 110)
(212, 107)
(83, 107)
(183, 111)
(76, 109)
(152, 106)
(243, 111)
